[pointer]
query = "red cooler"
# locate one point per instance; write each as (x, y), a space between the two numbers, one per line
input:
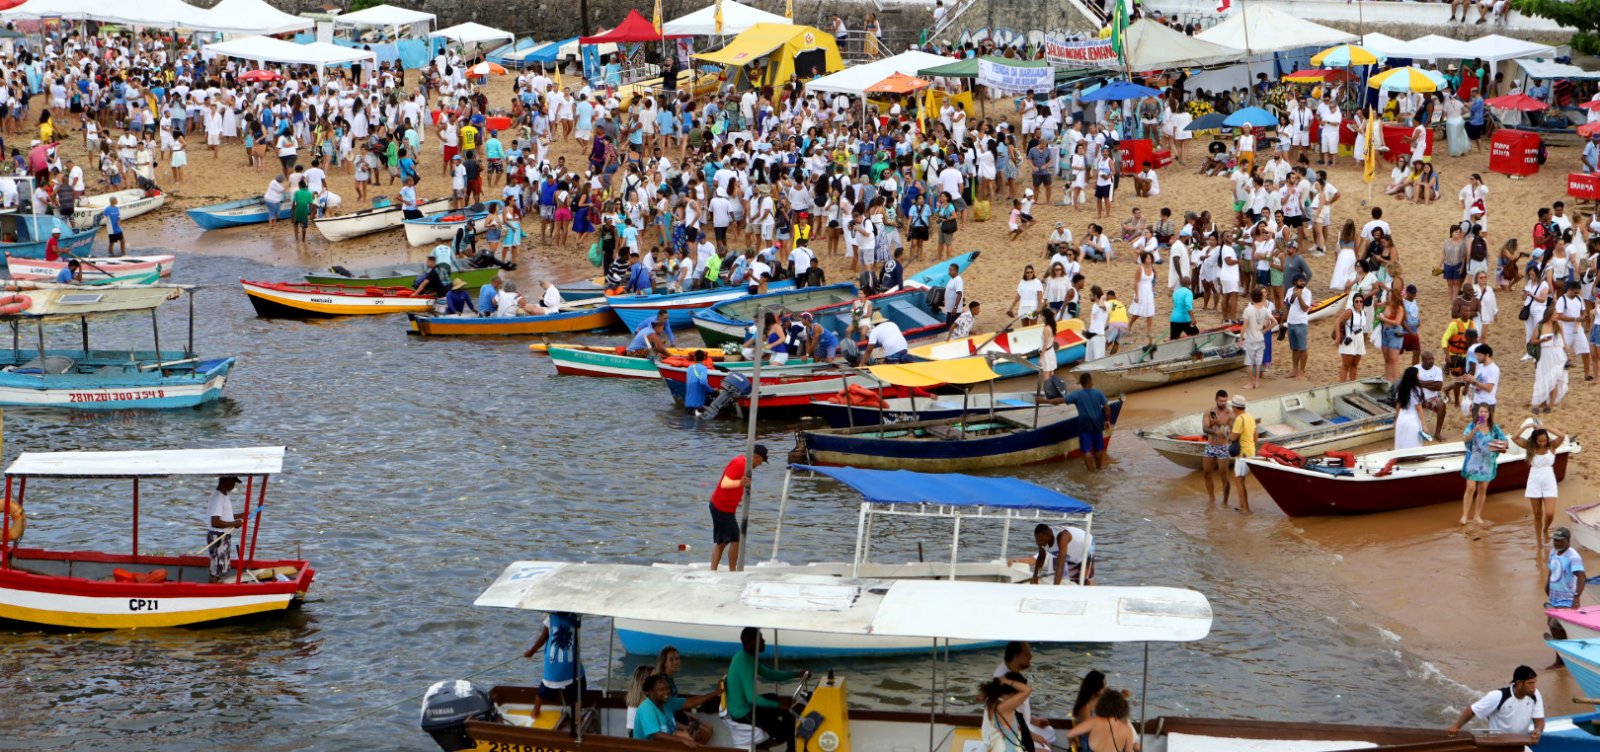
(1514, 152)
(1398, 139)
(1135, 152)
(1584, 185)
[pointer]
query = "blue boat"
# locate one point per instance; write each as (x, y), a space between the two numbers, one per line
(730, 320)
(25, 236)
(95, 379)
(938, 275)
(1571, 733)
(1583, 662)
(636, 310)
(908, 308)
(245, 211)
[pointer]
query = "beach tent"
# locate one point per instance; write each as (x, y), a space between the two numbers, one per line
(1263, 28)
(634, 28)
(1546, 70)
(1435, 47)
(384, 16)
(785, 49)
(249, 17)
(737, 18)
(472, 33)
(1152, 46)
(855, 80)
(544, 54)
(72, 10)
(1495, 48)
(163, 14)
(1385, 46)
(268, 50)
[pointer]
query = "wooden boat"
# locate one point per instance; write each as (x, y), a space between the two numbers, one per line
(1165, 363)
(961, 444)
(1323, 419)
(1386, 481)
(95, 590)
(25, 236)
(1582, 623)
(786, 386)
(130, 203)
(369, 221)
(1023, 342)
(397, 276)
(441, 226)
(636, 310)
(730, 320)
(1582, 657)
(1585, 526)
(583, 319)
(245, 211)
(611, 362)
(585, 289)
(292, 300)
(909, 409)
(907, 307)
(95, 270)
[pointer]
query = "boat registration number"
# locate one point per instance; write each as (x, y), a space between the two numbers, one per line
(133, 396)
(513, 747)
(144, 604)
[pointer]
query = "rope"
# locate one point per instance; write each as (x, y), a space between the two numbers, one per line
(403, 700)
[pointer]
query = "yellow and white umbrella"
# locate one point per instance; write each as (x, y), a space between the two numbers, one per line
(1408, 78)
(1344, 56)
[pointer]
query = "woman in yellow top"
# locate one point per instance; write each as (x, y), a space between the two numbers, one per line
(47, 128)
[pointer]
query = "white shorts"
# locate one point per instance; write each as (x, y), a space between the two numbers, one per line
(1230, 286)
(1330, 140)
(1325, 216)
(1301, 138)
(1541, 484)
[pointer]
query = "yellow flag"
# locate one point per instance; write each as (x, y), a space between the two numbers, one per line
(719, 18)
(788, 9)
(656, 19)
(1370, 165)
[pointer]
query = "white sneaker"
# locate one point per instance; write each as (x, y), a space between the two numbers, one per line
(1527, 357)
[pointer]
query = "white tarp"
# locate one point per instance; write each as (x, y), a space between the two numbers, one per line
(1152, 46)
(150, 463)
(65, 9)
(1495, 48)
(1543, 69)
(856, 80)
(250, 17)
(383, 15)
(473, 33)
(1263, 28)
(164, 14)
(269, 50)
(1435, 47)
(737, 18)
(1384, 45)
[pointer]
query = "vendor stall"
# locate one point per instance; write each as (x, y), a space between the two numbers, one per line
(769, 54)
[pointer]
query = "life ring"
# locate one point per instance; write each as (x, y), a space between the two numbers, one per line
(13, 304)
(18, 522)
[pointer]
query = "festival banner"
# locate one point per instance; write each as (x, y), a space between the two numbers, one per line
(1015, 78)
(1097, 53)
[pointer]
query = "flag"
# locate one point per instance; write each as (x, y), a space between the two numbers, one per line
(655, 20)
(1369, 166)
(1224, 5)
(1119, 25)
(719, 18)
(788, 9)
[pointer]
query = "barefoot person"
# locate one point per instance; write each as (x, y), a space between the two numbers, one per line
(1564, 587)
(220, 524)
(1484, 441)
(1541, 488)
(725, 502)
(1216, 424)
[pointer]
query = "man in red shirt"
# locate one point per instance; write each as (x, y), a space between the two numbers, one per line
(725, 500)
(52, 247)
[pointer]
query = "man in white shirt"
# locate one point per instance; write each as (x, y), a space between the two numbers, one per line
(1517, 709)
(800, 262)
(888, 336)
(721, 217)
(1485, 381)
(1430, 377)
(220, 523)
(955, 295)
(1329, 114)
(1377, 222)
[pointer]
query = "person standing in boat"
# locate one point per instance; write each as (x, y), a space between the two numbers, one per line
(562, 679)
(1067, 550)
(220, 524)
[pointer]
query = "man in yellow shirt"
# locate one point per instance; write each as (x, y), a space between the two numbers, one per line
(469, 136)
(1243, 434)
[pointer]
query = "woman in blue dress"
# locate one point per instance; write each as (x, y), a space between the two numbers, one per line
(582, 205)
(1484, 442)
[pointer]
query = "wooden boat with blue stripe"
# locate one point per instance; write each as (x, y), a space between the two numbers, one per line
(729, 321)
(397, 276)
(636, 310)
(585, 319)
(248, 211)
(1022, 341)
(291, 300)
(615, 363)
(96, 590)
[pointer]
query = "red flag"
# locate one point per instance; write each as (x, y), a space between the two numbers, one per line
(1224, 5)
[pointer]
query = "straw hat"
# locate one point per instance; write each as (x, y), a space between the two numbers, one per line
(459, 284)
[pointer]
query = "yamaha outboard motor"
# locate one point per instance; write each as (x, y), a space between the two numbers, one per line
(448, 706)
(734, 386)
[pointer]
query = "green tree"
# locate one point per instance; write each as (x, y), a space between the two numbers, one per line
(1583, 15)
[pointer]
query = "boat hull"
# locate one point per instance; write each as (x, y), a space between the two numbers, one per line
(785, 387)
(636, 310)
(1313, 494)
(280, 304)
(605, 365)
(1585, 526)
(94, 270)
(347, 226)
(1166, 363)
(430, 229)
(944, 407)
(474, 279)
(896, 448)
(1581, 663)
(726, 322)
(1125, 381)
(129, 389)
(131, 203)
(76, 243)
(1580, 623)
(234, 214)
(582, 320)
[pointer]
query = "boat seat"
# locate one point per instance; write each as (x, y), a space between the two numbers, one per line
(1275, 429)
(53, 364)
(1309, 417)
(948, 433)
(908, 316)
(1366, 404)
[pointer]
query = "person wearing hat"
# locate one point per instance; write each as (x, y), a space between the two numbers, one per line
(457, 302)
(1514, 709)
(1242, 445)
(725, 498)
(52, 246)
(220, 523)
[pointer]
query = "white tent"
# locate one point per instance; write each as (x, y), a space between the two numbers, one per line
(64, 9)
(250, 17)
(1495, 48)
(383, 16)
(1545, 70)
(472, 33)
(1435, 47)
(165, 14)
(856, 80)
(1153, 46)
(1263, 28)
(736, 19)
(268, 50)
(1384, 45)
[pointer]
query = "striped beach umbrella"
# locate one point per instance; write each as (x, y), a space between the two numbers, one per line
(1408, 78)
(1344, 56)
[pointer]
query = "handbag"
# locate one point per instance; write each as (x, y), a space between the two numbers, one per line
(1527, 310)
(1534, 350)
(948, 226)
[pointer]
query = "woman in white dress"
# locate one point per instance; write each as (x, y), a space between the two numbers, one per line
(986, 166)
(1359, 150)
(1080, 176)
(1030, 297)
(1488, 307)
(1350, 334)
(1542, 490)
(1344, 265)
(1407, 420)
(230, 116)
(1455, 126)
(1144, 295)
(1550, 375)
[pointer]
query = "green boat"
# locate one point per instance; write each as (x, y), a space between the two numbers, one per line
(396, 276)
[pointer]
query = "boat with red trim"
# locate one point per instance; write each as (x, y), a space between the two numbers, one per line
(295, 300)
(786, 386)
(99, 590)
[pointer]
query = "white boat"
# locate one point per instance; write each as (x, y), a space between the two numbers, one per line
(366, 222)
(95, 270)
(1585, 527)
(1170, 362)
(131, 203)
(1311, 422)
(441, 226)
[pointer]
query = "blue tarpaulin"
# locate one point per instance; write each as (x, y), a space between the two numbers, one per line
(548, 53)
(412, 53)
(907, 487)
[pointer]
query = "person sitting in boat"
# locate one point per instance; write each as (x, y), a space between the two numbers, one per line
(620, 274)
(510, 303)
(1068, 550)
(457, 302)
(72, 273)
(750, 708)
(486, 296)
(52, 247)
(550, 299)
(435, 281)
(654, 720)
(220, 523)
(648, 341)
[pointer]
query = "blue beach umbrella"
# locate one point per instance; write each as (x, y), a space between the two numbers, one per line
(1252, 117)
(1210, 121)
(1118, 90)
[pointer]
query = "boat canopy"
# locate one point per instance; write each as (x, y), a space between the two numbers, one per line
(84, 301)
(961, 371)
(240, 461)
(932, 609)
(950, 489)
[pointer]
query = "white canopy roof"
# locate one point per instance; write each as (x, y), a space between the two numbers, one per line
(1548, 70)
(269, 50)
(1434, 47)
(383, 15)
(151, 463)
(472, 33)
(736, 19)
(250, 17)
(1153, 46)
(1384, 45)
(68, 9)
(1495, 48)
(165, 14)
(856, 80)
(1263, 28)
(955, 610)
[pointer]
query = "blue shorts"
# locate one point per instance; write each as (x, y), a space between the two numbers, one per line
(1298, 334)
(1594, 335)
(1264, 277)
(1091, 442)
(1393, 338)
(903, 356)
(1453, 272)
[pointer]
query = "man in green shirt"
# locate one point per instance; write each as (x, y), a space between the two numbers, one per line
(303, 199)
(742, 673)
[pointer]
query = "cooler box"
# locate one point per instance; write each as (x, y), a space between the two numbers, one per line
(1162, 158)
(497, 122)
(1135, 152)
(1584, 185)
(1514, 152)
(1398, 139)
(1347, 137)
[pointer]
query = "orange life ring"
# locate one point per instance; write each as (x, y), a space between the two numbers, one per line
(13, 304)
(19, 521)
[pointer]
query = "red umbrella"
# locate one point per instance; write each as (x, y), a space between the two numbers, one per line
(1520, 102)
(260, 75)
(1589, 129)
(1593, 104)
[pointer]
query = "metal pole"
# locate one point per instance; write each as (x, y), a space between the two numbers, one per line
(955, 544)
(861, 529)
(136, 519)
(155, 328)
(1005, 537)
(42, 371)
(1249, 70)
(1144, 693)
(783, 501)
(5, 528)
(190, 353)
(581, 680)
(750, 437)
(83, 322)
(1083, 571)
(933, 688)
(611, 639)
(755, 687)
(244, 527)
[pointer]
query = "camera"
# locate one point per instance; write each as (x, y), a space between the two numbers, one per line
(1347, 340)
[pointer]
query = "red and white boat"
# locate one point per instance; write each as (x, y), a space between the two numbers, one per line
(107, 269)
(787, 386)
(1386, 481)
(94, 590)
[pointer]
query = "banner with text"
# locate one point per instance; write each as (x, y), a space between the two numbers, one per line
(1091, 54)
(1014, 78)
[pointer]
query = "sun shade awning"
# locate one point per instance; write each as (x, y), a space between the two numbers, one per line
(954, 489)
(930, 609)
(757, 42)
(973, 370)
(150, 464)
(85, 301)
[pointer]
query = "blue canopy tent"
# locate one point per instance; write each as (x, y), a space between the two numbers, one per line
(543, 55)
(953, 496)
(1119, 90)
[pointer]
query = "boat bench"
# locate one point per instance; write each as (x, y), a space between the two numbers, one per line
(1306, 416)
(948, 433)
(908, 316)
(1366, 404)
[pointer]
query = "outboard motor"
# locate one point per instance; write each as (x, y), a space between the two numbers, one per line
(447, 707)
(734, 386)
